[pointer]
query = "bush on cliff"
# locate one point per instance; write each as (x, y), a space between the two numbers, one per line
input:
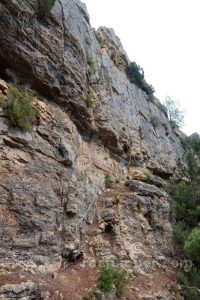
(136, 75)
(90, 100)
(91, 66)
(108, 181)
(111, 277)
(19, 108)
(44, 7)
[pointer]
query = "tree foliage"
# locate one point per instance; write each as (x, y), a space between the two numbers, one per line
(192, 244)
(174, 113)
(185, 210)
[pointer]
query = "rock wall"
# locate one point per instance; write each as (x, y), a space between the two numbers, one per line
(94, 124)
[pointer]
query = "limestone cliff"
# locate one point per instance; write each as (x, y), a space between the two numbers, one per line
(94, 126)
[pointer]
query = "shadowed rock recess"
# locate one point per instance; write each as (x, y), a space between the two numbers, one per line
(58, 220)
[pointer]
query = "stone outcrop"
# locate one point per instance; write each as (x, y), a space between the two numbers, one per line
(53, 200)
(27, 291)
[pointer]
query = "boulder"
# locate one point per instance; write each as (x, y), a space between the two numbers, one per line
(66, 152)
(26, 290)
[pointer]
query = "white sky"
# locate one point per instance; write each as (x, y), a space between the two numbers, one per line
(163, 37)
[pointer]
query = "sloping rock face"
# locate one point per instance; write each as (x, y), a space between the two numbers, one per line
(61, 56)
(94, 126)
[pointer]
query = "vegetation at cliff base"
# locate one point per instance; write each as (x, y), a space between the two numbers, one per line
(111, 277)
(185, 210)
(19, 108)
(136, 75)
(89, 295)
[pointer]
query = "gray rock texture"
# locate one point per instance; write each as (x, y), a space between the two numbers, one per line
(62, 58)
(94, 125)
(26, 290)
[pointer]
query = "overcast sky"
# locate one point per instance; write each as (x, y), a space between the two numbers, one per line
(163, 37)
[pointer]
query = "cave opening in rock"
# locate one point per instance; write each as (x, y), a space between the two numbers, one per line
(126, 148)
(110, 227)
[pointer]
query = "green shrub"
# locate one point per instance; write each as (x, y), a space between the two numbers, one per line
(147, 88)
(48, 4)
(44, 8)
(191, 294)
(3, 101)
(89, 100)
(186, 203)
(185, 208)
(99, 38)
(136, 75)
(180, 233)
(195, 277)
(155, 121)
(192, 244)
(108, 181)
(182, 278)
(89, 296)
(151, 99)
(162, 108)
(173, 124)
(110, 277)
(192, 142)
(190, 283)
(149, 175)
(121, 283)
(91, 66)
(19, 109)
(181, 167)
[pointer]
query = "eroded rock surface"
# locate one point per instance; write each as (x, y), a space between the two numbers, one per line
(53, 200)
(27, 291)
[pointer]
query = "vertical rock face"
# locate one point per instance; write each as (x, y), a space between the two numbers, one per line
(95, 129)
(66, 59)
